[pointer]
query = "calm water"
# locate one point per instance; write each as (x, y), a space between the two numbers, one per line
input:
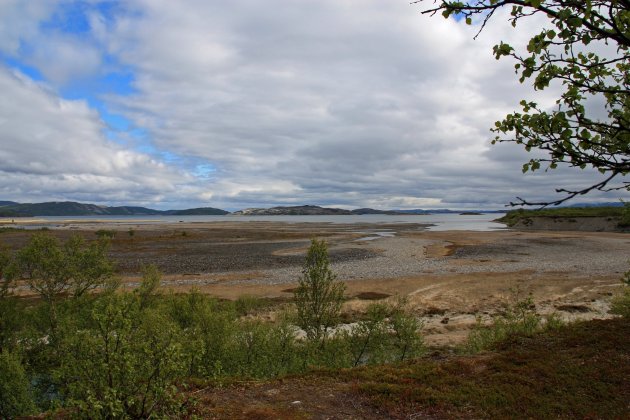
(481, 222)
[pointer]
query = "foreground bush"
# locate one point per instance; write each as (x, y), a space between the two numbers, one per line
(319, 295)
(127, 364)
(621, 301)
(519, 318)
(16, 398)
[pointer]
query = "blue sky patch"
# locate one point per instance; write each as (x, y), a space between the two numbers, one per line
(29, 71)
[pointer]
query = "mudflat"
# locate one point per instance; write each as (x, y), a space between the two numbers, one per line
(450, 278)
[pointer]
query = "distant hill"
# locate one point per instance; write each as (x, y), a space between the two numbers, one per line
(71, 208)
(7, 203)
(310, 211)
(293, 211)
(200, 211)
(373, 211)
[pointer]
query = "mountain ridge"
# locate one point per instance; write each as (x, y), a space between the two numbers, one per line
(72, 208)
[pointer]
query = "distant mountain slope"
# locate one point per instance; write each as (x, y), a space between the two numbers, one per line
(130, 211)
(200, 211)
(309, 210)
(8, 203)
(293, 211)
(70, 208)
(66, 208)
(373, 211)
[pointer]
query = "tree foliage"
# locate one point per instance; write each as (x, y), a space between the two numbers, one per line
(51, 268)
(126, 364)
(585, 49)
(318, 296)
(15, 394)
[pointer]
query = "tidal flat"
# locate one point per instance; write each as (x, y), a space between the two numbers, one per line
(450, 278)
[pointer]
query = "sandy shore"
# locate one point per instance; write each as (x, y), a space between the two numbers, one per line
(449, 277)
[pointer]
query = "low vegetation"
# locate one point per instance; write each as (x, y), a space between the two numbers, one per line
(84, 348)
(575, 371)
(518, 318)
(514, 216)
(115, 354)
(621, 301)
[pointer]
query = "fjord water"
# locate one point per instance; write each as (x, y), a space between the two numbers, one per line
(438, 222)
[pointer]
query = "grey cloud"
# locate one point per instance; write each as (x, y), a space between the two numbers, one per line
(56, 148)
(354, 103)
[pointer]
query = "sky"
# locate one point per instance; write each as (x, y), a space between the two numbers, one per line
(207, 103)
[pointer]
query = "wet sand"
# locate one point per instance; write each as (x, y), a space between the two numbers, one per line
(449, 277)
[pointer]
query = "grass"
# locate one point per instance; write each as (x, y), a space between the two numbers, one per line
(6, 229)
(513, 216)
(576, 371)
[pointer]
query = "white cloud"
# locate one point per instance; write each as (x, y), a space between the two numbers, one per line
(62, 59)
(19, 21)
(54, 148)
(295, 101)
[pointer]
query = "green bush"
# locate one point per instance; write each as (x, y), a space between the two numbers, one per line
(319, 295)
(519, 318)
(15, 394)
(124, 367)
(388, 333)
(10, 319)
(105, 233)
(53, 269)
(367, 339)
(406, 340)
(262, 350)
(620, 304)
(207, 330)
(624, 221)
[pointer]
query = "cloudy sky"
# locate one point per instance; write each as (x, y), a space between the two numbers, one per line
(245, 103)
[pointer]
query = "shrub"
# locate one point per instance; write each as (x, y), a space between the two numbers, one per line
(207, 330)
(367, 338)
(15, 394)
(52, 269)
(624, 221)
(518, 318)
(10, 319)
(127, 365)
(105, 233)
(406, 341)
(620, 304)
(388, 333)
(318, 296)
